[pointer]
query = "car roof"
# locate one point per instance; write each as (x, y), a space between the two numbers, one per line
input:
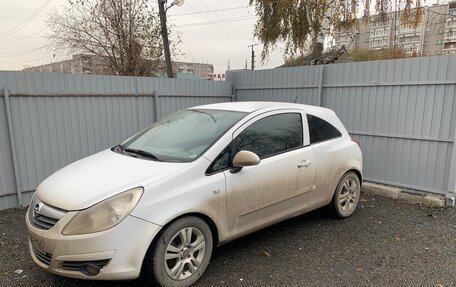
(251, 107)
(261, 107)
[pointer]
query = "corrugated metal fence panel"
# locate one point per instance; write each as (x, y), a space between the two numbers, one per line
(170, 104)
(298, 84)
(188, 93)
(402, 111)
(58, 119)
(52, 132)
(405, 124)
(7, 187)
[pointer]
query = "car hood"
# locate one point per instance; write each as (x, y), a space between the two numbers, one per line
(97, 177)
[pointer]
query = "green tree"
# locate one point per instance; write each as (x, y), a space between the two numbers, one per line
(303, 24)
(124, 35)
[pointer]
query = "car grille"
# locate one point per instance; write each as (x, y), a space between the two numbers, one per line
(76, 265)
(42, 222)
(44, 216)
(43, 257)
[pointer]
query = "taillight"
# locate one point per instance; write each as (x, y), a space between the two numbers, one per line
(357, 142)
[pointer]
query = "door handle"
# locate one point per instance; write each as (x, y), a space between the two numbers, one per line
(304, 163)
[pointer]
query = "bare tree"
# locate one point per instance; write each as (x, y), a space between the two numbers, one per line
(124, 35)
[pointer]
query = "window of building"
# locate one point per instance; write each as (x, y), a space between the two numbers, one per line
(320, 130)
(452, 8)
(407, 29)
(451, 23)
(449, 45)
(383, 31)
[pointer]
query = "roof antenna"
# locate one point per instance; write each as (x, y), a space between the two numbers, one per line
(296, 98)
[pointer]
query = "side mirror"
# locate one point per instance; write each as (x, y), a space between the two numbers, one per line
(245, 158)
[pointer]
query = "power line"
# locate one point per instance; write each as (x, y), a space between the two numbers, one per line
(218, 26)
(26, 61)
(210, 11)
(221, 21)
(25, 37)
(26, 21)
(21, 53)
(232, 27)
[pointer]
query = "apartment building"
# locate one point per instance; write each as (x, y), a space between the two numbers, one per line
(78, 64)
(434, 35)
(201, 70)
(89, 64)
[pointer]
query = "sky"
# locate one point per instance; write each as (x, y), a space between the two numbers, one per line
(212, 31)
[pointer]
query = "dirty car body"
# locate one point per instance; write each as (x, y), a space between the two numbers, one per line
(235, 167)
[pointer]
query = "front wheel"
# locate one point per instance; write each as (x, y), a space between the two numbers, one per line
(346, 196)
(182, 252)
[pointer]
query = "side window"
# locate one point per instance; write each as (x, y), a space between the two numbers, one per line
(272, 135)
(268, 136)
(321, 130)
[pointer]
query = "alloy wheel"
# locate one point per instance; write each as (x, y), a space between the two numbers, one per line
(349, 195)
(184, 253)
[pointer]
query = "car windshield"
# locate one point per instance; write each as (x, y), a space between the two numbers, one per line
(182, 136)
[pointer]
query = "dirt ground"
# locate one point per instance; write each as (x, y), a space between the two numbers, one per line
(385, 243)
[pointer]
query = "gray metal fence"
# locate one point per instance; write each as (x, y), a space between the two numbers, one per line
(50, 120)
(403, 112)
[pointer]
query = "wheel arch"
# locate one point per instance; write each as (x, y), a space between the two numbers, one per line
(213, 227)
(205, 218)
(356, 171)
(358, 174)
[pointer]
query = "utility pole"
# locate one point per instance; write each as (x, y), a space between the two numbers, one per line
(164, 31)
(253, 55)
(395, 16)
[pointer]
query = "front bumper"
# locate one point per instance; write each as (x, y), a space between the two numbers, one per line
(119, 251)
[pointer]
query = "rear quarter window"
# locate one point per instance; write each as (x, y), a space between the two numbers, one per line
(320, 130)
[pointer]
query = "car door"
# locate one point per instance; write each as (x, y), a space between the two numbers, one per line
(273, 189)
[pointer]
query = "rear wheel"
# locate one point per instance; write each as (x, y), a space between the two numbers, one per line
(182, 252)
(346, 196)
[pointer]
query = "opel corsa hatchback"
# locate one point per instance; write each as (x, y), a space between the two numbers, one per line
(160, 201)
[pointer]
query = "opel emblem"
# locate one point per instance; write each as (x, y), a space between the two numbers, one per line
(37, 208)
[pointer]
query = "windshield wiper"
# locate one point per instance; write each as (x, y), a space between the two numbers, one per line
(118, 148)
(141, 153)
(213, 118)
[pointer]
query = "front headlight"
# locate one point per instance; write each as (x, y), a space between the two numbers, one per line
(105, 214)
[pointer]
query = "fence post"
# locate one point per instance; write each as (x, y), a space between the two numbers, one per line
(12, 145)
(451, 191)
(320, 86)
(156, 103)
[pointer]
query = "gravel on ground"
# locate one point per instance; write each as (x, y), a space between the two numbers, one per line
(385, 243)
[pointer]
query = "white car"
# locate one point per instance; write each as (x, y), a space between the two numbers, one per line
(161, 200)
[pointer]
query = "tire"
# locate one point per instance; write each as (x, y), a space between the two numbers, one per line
(187, 260)
(346, 196)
